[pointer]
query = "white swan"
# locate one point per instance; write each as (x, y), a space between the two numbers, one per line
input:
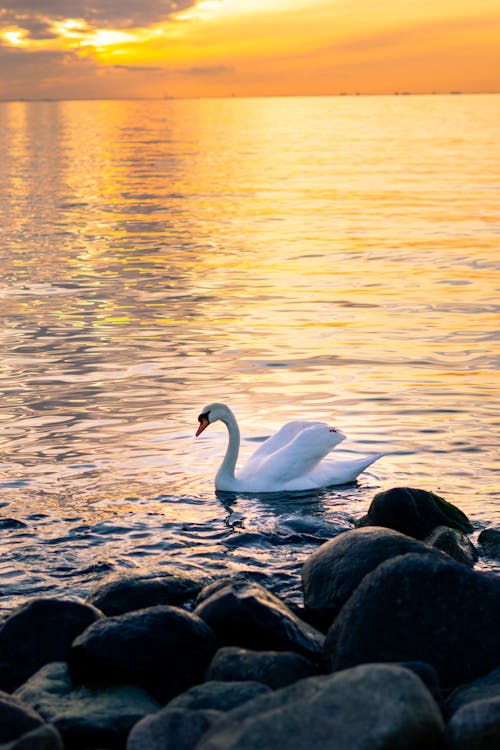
(290, 460)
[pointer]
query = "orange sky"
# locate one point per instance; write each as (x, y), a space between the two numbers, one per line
(156, 48)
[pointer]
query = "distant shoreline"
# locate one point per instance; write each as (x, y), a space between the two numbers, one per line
(248, 96)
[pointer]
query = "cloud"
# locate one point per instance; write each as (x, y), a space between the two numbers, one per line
(35, 16)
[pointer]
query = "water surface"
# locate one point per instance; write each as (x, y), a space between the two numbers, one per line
(322, 258)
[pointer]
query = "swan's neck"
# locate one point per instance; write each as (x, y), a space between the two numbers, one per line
(227, 467)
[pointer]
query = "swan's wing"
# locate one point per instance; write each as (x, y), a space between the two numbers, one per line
(339, 471)
(280, 439)
(297, 457)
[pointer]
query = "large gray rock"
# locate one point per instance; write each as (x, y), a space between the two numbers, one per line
(172, 729)
(381, 707)
(245, 614)
(421, 608)
(273, 668)
(414, 512)
(454, 543)
(489, 539)
(334, 570)
(218, 696)
(120, 593)
(45, 737)
(475, 726)
(38, 632)
(16, 718)
(485, 687)
(86, 716)
(164, 649)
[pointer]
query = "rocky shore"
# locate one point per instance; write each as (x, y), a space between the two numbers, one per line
(396, 646)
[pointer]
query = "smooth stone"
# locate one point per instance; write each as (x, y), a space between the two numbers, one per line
(172, 729)
(245, 614)
(120, 593)
(487, 686)
(87, 716)
(164, 649)
(45, 737)
(414, 512)
(217, 695)
(421, 608)
(489, 539)
(334, 570)
(475, 726)
(16, 718)
(38, 632)
(273, 668)
(454, 543)
(376, 706)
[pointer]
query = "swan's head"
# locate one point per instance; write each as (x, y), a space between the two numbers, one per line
(212, 413)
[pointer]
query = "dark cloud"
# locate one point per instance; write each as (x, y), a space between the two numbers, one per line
(207, 70)
(34, 15)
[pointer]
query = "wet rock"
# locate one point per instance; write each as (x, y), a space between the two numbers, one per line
(428, 675)
(454, 543)
(86, 716)
(45, 737)
(489, 539)
(414, 512)
(172, 729)
(273, 668)
(485, 687)
(164, 649)
(16, 718)
(377, 706)
(120, 593)
(333, 571)
(475, 726)
(245, 614)
(421, 608)
(39, 632)
(218, 696)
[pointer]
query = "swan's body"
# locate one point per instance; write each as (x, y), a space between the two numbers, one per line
(290, 460)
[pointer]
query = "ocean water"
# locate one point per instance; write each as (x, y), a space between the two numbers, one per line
(313, 258)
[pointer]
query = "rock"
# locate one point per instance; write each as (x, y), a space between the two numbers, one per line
(273, 668)
(414, 512)
(428, 675)
(421, 608)
(334, 570)
(86, 716)
(39, 632)
(218, 696)
(120, 593)
(172, 729)
(475, 726)
(489, 539)
(245, 614)
(16, 718)
(454, 543)
(487, 686)
(377, 706)
(163, 649)
(45, 737)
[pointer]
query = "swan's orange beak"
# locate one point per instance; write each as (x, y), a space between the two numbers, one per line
(203, 425)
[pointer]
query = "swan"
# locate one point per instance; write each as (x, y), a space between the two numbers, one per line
(289, 460)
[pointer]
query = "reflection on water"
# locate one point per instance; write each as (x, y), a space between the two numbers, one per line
(297, 258)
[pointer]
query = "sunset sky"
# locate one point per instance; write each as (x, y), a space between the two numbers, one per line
(159, 48)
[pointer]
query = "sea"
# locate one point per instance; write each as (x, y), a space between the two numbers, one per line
(323, 258)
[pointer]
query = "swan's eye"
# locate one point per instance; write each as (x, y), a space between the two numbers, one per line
(203, 417)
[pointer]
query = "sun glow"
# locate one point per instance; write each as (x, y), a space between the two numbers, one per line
(254, 48)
